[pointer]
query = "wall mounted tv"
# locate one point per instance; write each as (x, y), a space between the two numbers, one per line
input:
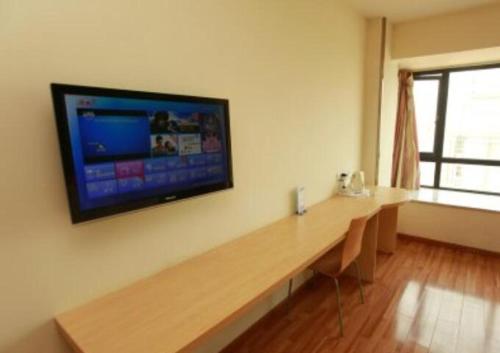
(124, 150)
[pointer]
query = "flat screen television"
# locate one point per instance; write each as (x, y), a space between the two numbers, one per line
(123, 150)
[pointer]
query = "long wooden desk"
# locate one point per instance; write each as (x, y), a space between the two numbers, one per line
(176, 309)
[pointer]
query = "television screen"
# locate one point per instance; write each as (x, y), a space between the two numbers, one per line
(124, 150)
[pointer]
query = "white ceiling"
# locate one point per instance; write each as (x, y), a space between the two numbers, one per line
(402, 10)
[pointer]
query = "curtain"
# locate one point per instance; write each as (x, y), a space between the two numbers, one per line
(405, 155)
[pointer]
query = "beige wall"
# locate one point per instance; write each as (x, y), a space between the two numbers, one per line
(372, 93)
(473, 228)
(292, 70)
(464, 58)
(459, 31)
(388, 113)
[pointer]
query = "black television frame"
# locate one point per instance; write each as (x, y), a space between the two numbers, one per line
(77, 215)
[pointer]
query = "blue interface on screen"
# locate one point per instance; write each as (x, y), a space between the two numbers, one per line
(127, 149)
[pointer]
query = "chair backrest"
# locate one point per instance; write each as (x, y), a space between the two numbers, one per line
(353, 241)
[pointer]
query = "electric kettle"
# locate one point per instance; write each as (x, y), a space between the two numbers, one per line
(358, 182)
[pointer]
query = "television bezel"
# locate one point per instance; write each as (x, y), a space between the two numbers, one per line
(78, 215)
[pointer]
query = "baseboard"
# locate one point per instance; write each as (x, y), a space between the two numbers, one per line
(448, 245)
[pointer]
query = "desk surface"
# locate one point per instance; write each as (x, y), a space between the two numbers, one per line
(177, 308)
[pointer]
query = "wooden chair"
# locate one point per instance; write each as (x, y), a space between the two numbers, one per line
(333, 263)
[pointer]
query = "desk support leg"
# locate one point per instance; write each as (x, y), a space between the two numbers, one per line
(387, 232)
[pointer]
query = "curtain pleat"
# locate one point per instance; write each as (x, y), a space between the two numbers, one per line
(405, 157)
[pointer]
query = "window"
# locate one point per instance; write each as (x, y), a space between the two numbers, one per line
(458, 126)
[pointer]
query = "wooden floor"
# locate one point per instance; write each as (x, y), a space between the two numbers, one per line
(426, 298)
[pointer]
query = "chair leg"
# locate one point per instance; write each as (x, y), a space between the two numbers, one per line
(341, 320)
(360, 283)
(290, 284)
(313, 279)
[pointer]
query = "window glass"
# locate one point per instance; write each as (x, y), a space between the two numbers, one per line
(470, 177)
(425, 94)
(473, 115)
(427, 170)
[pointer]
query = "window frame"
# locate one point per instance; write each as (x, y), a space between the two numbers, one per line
(436, 156)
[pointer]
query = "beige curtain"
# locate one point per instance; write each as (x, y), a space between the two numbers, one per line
(405, 157)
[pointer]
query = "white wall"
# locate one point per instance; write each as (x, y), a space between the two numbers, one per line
(292, 70)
